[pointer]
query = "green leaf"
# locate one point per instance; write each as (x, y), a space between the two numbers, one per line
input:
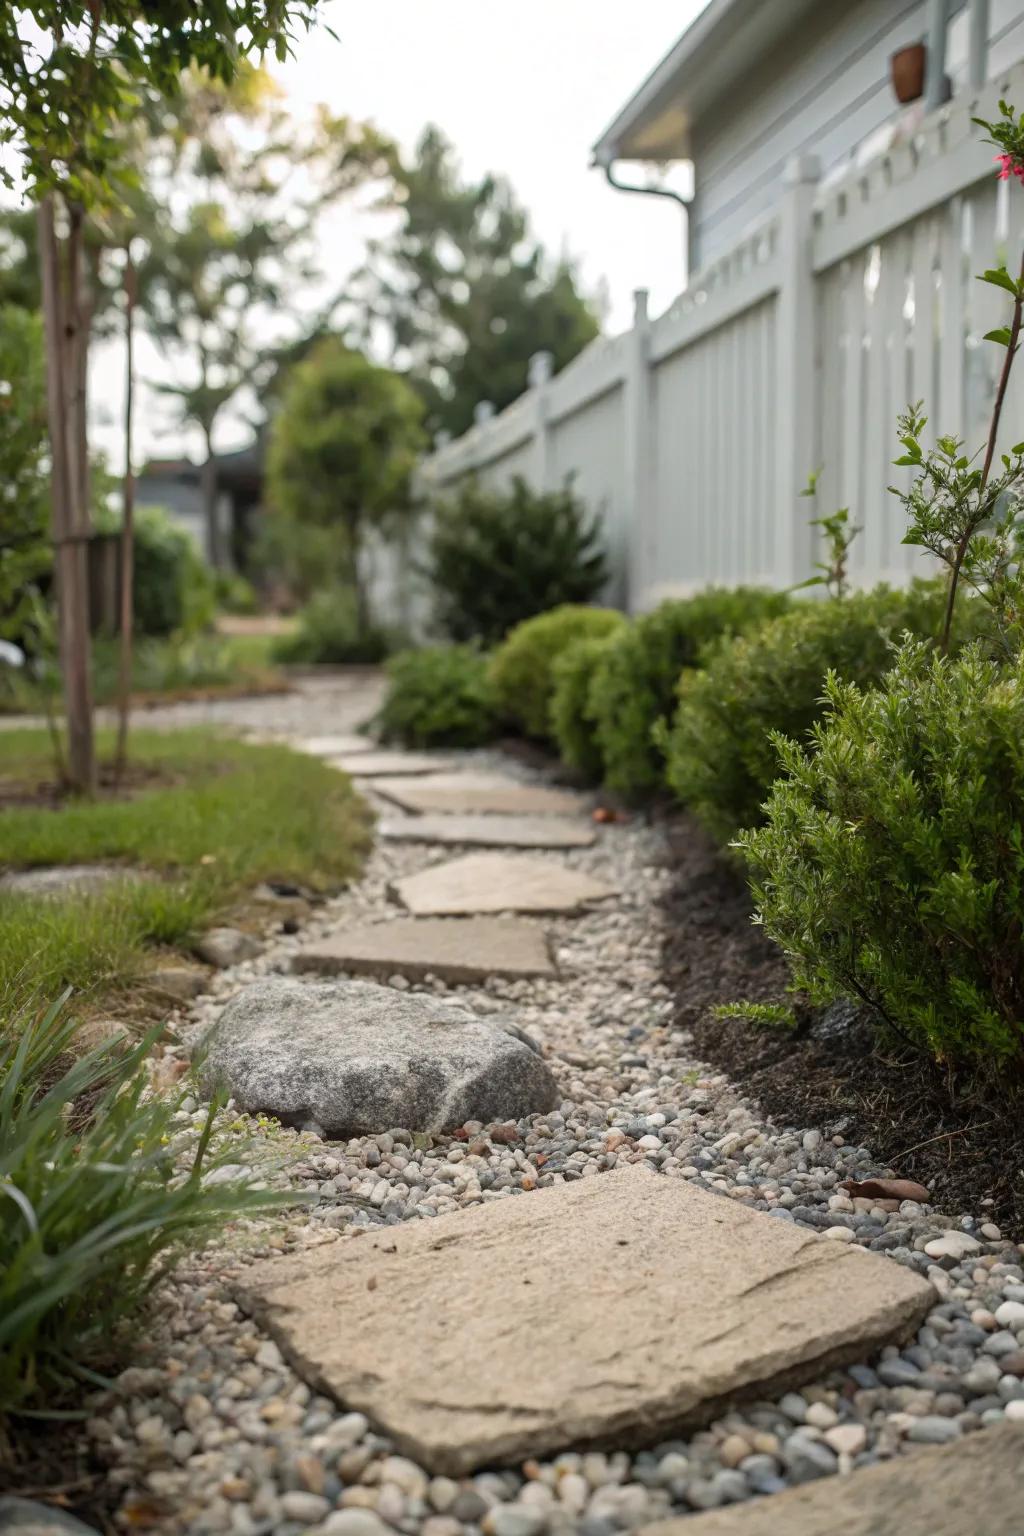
(1003, 336)
(999, 278)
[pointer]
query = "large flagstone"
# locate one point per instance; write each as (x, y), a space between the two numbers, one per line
(617, 1308)
(497, 882)
(374, 765)
(490, 831)
(972, 1487)
(464, 794)
(455, 949)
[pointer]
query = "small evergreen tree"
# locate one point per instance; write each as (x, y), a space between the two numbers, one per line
(497, 558)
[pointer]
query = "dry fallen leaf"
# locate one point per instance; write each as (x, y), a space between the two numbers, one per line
(886, 1189)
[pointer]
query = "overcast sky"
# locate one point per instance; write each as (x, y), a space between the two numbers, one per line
(521, 91)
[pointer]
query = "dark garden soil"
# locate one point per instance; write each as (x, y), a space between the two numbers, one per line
(965, 1142)
(48, 793)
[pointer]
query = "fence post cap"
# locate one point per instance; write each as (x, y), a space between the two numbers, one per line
(801, 168)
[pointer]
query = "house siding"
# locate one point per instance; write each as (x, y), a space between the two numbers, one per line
(824, 91)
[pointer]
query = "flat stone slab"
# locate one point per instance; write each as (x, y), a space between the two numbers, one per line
(356, 1059)
(488, 794)
(334, 746)
(61, 880)
(490, 831)
(618, 1309)
(455, 949)
(973, 1485)
(374, 765)
(497, 882)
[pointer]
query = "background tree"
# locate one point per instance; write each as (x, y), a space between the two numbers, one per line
(70, 71)
(25, 553)
(237, 185)
(342, 449)
(463, 292)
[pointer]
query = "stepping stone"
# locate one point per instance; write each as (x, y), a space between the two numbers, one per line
(455, 949)
(356, 1059)
(496, 882)
(614, 1309)
(481, 793)
(374, 765)
(62, 880)
(334, 746)
(970, 1486)
(490, 831)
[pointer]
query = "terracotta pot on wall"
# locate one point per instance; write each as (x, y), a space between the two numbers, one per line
(908, 69)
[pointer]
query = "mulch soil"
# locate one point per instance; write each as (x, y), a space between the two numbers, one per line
(50, 794)
(966, 1142)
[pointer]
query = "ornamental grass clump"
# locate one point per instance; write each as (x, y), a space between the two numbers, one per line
(521, 671)
(891, 864)
(634, 688)
(94, 1203)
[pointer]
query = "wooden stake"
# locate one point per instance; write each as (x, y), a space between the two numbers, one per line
(69, 516)
(124, 686)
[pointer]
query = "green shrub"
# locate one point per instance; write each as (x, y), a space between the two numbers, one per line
(520, 670)
(439, 696)
(92, 1202)
(572, 723)
(497, 558)
(235, 593)
(173, 587)
(329, 631)
(720, 761)
(26, 554)
(634, 689)
(891, 864)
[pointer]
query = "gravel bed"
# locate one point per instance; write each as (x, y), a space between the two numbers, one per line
(212, 1432)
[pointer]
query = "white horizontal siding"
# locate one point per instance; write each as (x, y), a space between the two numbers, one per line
(825, 91)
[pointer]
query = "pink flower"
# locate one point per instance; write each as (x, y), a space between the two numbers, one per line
(1010, 167)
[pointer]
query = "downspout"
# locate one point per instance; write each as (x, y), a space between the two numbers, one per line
(935, 77)
(677, 197)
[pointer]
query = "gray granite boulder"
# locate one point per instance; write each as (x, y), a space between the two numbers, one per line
(354, 1059)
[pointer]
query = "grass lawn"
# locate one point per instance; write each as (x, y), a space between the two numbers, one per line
(213, 818)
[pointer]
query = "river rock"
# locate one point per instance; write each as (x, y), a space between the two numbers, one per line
(358, 1059)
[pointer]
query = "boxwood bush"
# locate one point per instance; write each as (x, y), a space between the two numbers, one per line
(438, 697)
(891, 864)
(521, 669)
(720, 759)
(634, 685)
(572, 722)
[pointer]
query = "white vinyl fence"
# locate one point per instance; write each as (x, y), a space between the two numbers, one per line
(692, 434)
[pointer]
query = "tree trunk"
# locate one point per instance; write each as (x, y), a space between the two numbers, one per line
(124, 682)
(211, 512)
(69, 514)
